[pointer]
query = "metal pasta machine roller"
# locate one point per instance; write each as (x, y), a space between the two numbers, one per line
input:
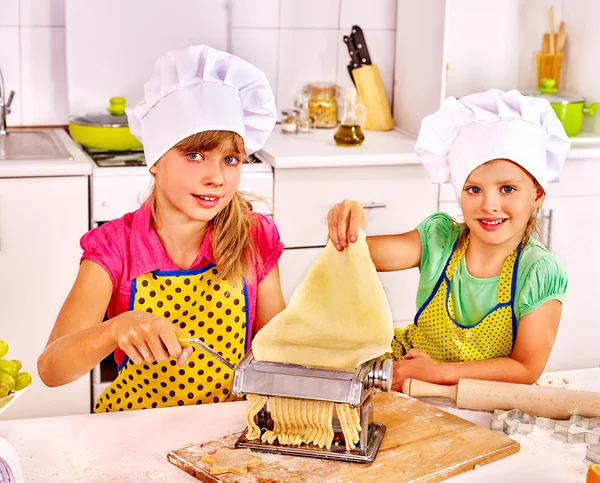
(275, 379)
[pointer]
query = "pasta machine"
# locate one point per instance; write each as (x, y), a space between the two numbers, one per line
(275, 379)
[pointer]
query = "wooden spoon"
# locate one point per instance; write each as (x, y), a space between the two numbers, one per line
(561, 37)
(552, 45)
(546, 44)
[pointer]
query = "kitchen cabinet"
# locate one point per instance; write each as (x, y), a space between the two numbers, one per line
(456, 54)
(569, 230)
(573, 237)
(397, 198)
(41, 222)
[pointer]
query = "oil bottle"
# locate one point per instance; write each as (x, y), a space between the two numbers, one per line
(349, 132)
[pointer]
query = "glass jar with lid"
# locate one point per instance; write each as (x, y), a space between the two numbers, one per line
(289, 121)
(322, 104)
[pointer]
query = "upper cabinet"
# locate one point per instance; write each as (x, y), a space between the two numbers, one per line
(457, 47)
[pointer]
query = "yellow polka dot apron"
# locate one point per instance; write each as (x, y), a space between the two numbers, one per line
(214, 311)
(436, 331)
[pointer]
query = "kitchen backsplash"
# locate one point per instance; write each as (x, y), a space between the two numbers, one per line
(298, 41)
(294, 42)
(32, 58)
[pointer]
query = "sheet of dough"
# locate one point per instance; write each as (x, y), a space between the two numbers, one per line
(337, 318)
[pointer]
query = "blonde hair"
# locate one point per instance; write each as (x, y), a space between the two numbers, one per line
(235, 251)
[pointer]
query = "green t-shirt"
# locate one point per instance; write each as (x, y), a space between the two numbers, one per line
(540, 276)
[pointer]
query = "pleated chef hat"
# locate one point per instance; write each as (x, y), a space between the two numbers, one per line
(477, 128)
(200, 89)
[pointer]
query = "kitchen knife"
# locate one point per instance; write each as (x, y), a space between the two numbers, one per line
(185, 339)
(361, 45)
(354, 56)
(547, 402)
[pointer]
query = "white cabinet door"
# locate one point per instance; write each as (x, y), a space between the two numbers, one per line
(574, 235)
(41, 222)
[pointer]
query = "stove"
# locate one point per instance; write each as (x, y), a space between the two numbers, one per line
(135, 157)
(111, 159)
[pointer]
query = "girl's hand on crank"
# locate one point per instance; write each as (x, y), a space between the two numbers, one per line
(416, 365)
(343, 221)
(147, 337)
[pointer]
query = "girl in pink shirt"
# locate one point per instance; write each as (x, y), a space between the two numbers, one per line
(193, 258)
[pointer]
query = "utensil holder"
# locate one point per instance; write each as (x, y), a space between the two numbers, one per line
(549, 67)
(372, 95)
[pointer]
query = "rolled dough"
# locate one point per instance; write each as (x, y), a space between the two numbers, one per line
(337, 318)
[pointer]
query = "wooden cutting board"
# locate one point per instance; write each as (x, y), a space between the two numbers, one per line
(422, 444)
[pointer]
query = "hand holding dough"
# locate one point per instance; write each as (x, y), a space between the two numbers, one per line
(337, 318)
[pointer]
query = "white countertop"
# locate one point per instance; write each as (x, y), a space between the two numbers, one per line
(79, 165)
(317, 149)
(131, 446)
(314, 150)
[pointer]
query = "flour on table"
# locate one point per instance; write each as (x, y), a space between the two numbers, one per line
(155, 475)
(552, 380)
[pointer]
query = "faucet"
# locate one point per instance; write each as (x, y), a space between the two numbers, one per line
(4, 105)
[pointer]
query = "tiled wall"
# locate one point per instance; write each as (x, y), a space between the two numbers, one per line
(299, 41)
(32, 59)
(293, 41)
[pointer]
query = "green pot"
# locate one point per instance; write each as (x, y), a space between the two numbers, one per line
(569, 108)
(105, 130)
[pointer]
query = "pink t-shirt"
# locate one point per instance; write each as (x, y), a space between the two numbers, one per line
(129, 247)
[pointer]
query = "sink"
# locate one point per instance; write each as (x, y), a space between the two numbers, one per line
(31, 145)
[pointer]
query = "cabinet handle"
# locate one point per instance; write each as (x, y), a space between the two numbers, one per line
(370, 206)
(549, 236)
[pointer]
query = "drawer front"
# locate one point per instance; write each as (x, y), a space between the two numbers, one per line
(400, 287)
(397, 198)
(113, 196)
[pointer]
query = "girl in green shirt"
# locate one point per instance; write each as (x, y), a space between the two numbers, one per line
(490, 295)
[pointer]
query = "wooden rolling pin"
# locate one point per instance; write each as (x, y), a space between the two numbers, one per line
(547, 402)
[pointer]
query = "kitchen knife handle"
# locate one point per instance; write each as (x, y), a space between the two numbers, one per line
(416, 388)
(354, 55)
(360, 44)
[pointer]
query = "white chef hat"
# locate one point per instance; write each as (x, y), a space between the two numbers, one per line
(200, 89)
(477, 128)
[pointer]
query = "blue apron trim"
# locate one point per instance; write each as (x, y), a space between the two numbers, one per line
(513, 289)
(124, 363)
(131, 302)
(249, 329)
(437, 285)
(498, 306)
(195, 271)
(513, 285)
